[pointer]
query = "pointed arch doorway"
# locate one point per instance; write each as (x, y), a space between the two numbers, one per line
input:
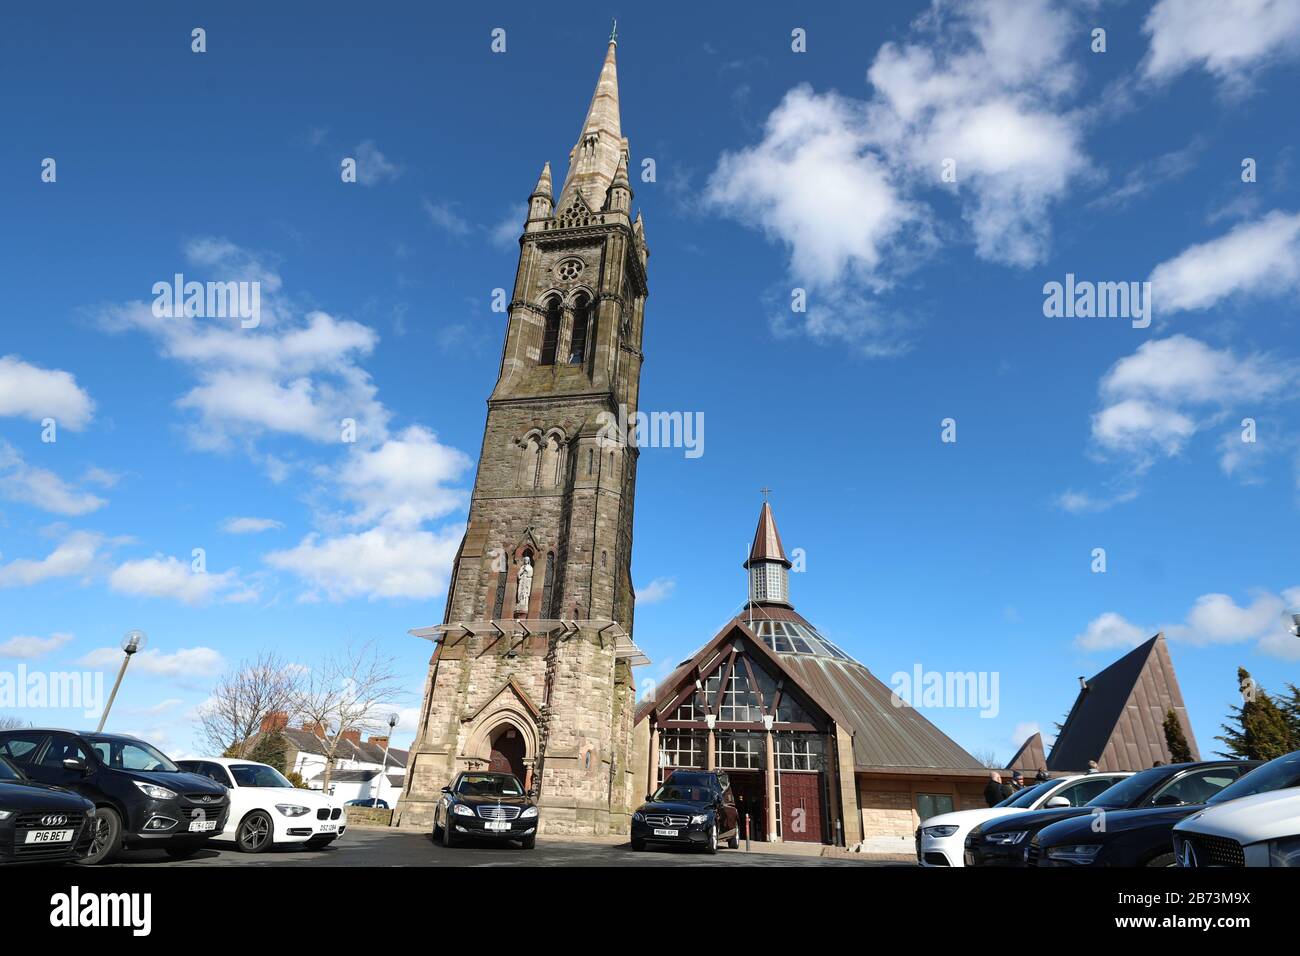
(507, 753)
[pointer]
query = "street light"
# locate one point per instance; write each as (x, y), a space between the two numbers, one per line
(383, 768)
(134, 641)
(1295, 624)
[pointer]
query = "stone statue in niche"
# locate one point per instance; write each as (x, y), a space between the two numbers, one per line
(524, 586)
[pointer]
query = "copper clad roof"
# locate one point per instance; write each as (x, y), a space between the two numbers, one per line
(1031, 757)
(1118, 720)
(767, 540)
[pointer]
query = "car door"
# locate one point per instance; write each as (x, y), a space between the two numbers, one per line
(1194, 787)
(50, 766)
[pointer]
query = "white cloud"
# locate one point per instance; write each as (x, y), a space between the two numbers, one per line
(250, 525)
(505, 234)
(29, 648)
(41, 487)
(34, 393)
(74, 555)
(373, 166)
(660, 589)
(404, 481)
(1081, 502)
(187, 662)
(168, 577)
(1023, 731)
(1229, 41)
(1111, 630)
(1255, 258)
(1212, 619)
(383, 562)
(444, 216)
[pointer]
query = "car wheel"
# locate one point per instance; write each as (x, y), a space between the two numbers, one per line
(106, 839)
(734, 842)
(254, 833)
(448, 840)
(437, 827)
(1164, 859)
(638, 845)
(712, 846)
(529, 842)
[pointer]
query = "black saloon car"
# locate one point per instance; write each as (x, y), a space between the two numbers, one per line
(141, 798)
(488, 806)
(1008, 841)
(695, 808)
(40, 824)
(1139, 837)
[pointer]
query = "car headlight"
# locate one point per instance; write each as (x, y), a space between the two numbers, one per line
(1081, 853)
(639, 817)
(528, 814)
(942, 831)
(1284, 852)
(1006, 837)
(154, 792)
(461, 810)
(291, 809)
(6, 814)
(700, 818)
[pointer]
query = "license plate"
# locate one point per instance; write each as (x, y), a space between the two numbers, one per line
(49, 836)
(203, 826)
(665, 833)
(497, 825)
(329, 828)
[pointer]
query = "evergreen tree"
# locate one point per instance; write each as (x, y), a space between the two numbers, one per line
(1257, 730)
(1176, 740)
(272, 750)
(1290, 705)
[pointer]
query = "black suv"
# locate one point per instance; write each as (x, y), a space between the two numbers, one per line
(488, 805)
(141, 798)
(691, 807)
(40, 824)
(1009, 841)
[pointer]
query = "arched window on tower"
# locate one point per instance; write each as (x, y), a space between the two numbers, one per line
(548, 587)
(499, 604)
(551, 331)
(581, 321)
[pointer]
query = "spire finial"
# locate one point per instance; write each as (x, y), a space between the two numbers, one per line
(613, 33)
(765, 491)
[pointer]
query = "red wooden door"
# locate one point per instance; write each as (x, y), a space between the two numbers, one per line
(801, 807)
(507, 753)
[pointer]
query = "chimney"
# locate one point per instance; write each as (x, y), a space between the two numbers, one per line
(353, 736)
(380, 742)
(274, 722)
(317, 730)
(1083, 683)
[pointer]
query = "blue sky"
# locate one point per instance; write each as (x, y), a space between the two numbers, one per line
(774, 170)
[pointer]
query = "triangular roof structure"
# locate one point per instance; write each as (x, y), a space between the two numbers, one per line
(767, 540)
(1118, 717)
(1031, 757)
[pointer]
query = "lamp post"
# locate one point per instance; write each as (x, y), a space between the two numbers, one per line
(383, 767)
(1295, 624)
(133, 641)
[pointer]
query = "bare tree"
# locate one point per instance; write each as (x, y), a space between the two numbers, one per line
(350, 690)
(13, 723)
(243, 698)
(987, 758)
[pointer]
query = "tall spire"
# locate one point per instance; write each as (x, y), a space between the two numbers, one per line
(595, 157)
(769, 568)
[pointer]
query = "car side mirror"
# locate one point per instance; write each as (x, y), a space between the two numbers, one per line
(649, 798)
(1168, 800)
(446, 789)
(72, 763)
(1058, 802)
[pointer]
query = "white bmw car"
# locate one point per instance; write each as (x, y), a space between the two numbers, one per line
(940, 840)
(1258, 824)
(267, 810)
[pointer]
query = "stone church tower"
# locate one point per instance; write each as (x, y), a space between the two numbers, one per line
(532, 665)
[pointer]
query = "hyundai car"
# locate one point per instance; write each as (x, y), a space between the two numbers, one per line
(692, 808)
(267, 810)
(485, 805)
(141, 798)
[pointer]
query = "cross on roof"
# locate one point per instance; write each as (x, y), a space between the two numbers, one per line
(613, 34)
(765, 492)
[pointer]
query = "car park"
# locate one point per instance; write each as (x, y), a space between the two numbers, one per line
(1008, 841)
(1138, 837)
(1258, 825)
(39, 823)
(267, 810)
(141, 798)
(485, 805)
(692, 808)
(940, 839)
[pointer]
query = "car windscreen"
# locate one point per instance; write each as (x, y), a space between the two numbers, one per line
(490, 785)
(1129, 790)
(122, 754)
(8, 771)
(1027, 795)
(681, 792)
(1277, 774)
(257, 775)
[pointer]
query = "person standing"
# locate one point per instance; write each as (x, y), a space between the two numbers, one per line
(993, 789)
